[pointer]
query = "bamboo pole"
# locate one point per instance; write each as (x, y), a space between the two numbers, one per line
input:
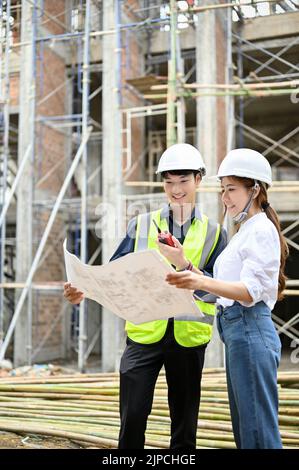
(241, 92)
(85, 409)
(236, 86)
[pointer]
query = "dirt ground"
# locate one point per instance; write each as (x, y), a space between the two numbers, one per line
(9, 440)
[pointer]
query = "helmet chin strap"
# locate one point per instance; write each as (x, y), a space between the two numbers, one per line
(242, 215)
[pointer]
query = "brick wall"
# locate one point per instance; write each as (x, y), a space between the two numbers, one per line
(129, 7)
(14, 92)
(50, 148)
(52, 267)
(55, 9)
(51, 74)
(45, 323)
(50, 151)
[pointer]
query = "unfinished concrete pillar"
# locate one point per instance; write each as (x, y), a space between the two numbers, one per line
(26, 125)
(112, 326)
(211, 48)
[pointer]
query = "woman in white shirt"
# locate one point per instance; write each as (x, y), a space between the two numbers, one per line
(248, 280)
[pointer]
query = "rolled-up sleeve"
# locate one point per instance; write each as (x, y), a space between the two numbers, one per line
(260, 266)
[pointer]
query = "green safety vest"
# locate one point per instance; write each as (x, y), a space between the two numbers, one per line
(199, 244)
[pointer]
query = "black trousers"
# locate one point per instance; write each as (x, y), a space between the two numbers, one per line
(139, 369)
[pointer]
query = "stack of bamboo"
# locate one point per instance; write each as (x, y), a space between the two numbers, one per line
(84, 408)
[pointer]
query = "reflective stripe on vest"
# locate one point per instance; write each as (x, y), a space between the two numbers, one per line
(200, 241)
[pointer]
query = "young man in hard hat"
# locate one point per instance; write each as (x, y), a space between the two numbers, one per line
(248, 280)
(177, 344)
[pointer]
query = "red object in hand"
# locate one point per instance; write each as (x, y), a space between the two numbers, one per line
(164, 237)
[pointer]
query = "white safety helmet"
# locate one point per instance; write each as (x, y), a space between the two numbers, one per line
(181, 157)
(246, 163)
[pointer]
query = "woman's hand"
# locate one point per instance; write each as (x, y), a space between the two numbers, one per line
(230, 290)
(186, 280)
(73, 295)
(174, 254)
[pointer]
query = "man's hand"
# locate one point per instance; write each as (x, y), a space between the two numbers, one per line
(73, 295)
(174, 254)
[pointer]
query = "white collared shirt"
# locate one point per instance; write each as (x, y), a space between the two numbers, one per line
(252, 257)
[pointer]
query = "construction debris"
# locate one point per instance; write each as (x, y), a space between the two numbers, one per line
(36, 370)
(5, 367)
(84, 408)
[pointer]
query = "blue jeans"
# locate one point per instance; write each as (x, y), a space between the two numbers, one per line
(252, 350)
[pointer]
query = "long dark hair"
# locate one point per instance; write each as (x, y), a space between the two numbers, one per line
(262, 202)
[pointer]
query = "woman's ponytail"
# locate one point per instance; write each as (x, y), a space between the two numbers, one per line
(284, 249)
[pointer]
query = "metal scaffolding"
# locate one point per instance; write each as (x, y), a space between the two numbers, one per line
(255, 70)
(4, 145)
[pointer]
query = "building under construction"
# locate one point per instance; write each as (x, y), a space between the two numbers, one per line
(91, 93)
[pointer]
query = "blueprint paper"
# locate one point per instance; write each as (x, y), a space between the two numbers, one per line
(132, 287)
